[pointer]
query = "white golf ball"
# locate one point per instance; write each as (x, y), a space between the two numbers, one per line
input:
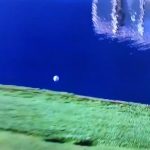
(55, 78)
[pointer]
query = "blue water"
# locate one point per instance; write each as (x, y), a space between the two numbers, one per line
(43, 38)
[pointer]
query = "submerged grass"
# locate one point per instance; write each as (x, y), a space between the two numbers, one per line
(66, 118)
(13, 141)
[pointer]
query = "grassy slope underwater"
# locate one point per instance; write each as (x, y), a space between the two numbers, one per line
(65, 118)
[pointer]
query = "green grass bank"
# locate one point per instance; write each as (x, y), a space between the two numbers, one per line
(51, 120)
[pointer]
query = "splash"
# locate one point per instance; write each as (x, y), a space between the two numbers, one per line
(124, 20)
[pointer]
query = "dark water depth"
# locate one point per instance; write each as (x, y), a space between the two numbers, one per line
(43, 38)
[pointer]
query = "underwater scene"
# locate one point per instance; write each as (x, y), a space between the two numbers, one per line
(97, 48)
(74, 74)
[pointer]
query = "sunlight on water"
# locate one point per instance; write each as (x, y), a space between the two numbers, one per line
(124, 20)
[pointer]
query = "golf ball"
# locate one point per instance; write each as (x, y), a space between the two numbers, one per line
(56, 78)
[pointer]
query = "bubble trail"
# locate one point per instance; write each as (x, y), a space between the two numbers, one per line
(141, 18)
(114, 16)
(124, 20)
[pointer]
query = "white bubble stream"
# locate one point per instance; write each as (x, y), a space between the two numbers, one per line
(124, 20)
